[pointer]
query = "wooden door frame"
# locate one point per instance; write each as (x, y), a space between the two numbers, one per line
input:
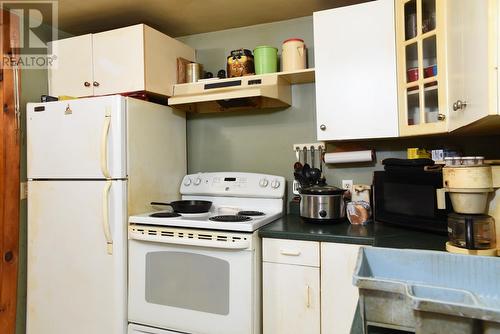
(9, 178)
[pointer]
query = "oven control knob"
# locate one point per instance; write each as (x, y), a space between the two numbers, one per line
(263, 183)
(322, 213)
(275, 184)
(187, 181)
(197, 181)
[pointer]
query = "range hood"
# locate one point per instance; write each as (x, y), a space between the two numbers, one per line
(249, 92)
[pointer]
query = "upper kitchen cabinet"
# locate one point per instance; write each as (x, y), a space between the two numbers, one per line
(472, 41)
(356, 80)
(447, 65)
(118, 60)
(421, 26)
(71, 73)
(130, 59)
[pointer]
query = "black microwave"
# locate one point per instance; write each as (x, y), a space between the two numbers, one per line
(408, 198)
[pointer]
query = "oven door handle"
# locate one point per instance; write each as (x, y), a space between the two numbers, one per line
(236, 245)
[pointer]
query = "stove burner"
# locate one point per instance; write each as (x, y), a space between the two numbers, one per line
(165, 215)
(230, 218)
(251, 213)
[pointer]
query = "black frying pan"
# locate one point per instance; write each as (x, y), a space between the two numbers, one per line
(188, 206)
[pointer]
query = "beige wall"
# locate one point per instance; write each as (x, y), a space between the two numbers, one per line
(255, 140)
(261, 141)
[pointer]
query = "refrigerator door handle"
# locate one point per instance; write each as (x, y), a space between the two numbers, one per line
(105, 217)
(104, 144)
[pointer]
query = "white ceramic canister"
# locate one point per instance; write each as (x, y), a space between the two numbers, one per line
(293, 55)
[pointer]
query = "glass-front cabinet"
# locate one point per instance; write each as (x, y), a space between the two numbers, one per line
(421, 66)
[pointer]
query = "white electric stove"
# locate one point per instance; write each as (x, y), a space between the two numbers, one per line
(240, 202)
(199, 273)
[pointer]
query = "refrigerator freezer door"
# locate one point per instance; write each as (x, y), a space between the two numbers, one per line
(77, 139)
(74, 285)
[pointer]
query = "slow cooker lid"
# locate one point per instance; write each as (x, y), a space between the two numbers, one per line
(322, 190)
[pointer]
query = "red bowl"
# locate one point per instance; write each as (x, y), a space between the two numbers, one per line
(430, 71)
(412, 74)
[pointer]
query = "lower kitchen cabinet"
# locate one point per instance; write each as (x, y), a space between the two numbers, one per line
(339, 297)
(307, 287)
(291, 286)
(291, 299)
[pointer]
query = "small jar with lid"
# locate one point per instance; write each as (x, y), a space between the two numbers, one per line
(293, 55)
(239, 63)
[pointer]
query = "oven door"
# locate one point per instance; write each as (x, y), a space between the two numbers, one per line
(191, 288)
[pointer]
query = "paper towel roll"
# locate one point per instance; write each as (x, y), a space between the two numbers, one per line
(347, 157)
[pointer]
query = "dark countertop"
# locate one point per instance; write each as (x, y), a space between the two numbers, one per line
(374, 234)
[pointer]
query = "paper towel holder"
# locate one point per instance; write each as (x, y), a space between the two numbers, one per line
(347, 157)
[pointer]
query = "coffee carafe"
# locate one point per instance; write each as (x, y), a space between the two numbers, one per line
(470, 184)
(473, 232)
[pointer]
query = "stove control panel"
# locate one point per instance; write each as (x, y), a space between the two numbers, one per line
(234, 184)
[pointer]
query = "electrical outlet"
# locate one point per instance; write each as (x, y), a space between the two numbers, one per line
(296, 187)
(347, 184)
(24, 190)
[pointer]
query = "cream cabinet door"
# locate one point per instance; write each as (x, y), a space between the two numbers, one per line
(119, 60)
(71, 73)
(339, 297)
(472, 64)
(356, 82)
(291, 299)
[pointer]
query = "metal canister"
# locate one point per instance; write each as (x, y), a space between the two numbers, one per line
(193, 72)
(293, 55)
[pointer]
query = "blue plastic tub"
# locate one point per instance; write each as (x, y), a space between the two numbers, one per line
(408, 288)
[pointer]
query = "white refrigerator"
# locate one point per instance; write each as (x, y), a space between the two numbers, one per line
(91, 163)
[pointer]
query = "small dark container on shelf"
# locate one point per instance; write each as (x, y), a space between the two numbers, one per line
(221, 74)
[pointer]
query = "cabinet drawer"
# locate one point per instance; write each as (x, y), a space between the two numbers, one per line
(291, 252)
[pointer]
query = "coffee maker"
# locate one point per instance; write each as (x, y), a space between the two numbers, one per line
(473, 186)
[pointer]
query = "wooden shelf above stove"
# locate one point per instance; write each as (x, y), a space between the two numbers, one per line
(272, 90)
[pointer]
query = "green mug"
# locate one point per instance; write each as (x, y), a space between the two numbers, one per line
(265, 59)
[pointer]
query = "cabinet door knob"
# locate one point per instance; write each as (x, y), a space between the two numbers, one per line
(322, 127)
(441, 117)
(96, 84)
(459, 105)
(86, 84)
